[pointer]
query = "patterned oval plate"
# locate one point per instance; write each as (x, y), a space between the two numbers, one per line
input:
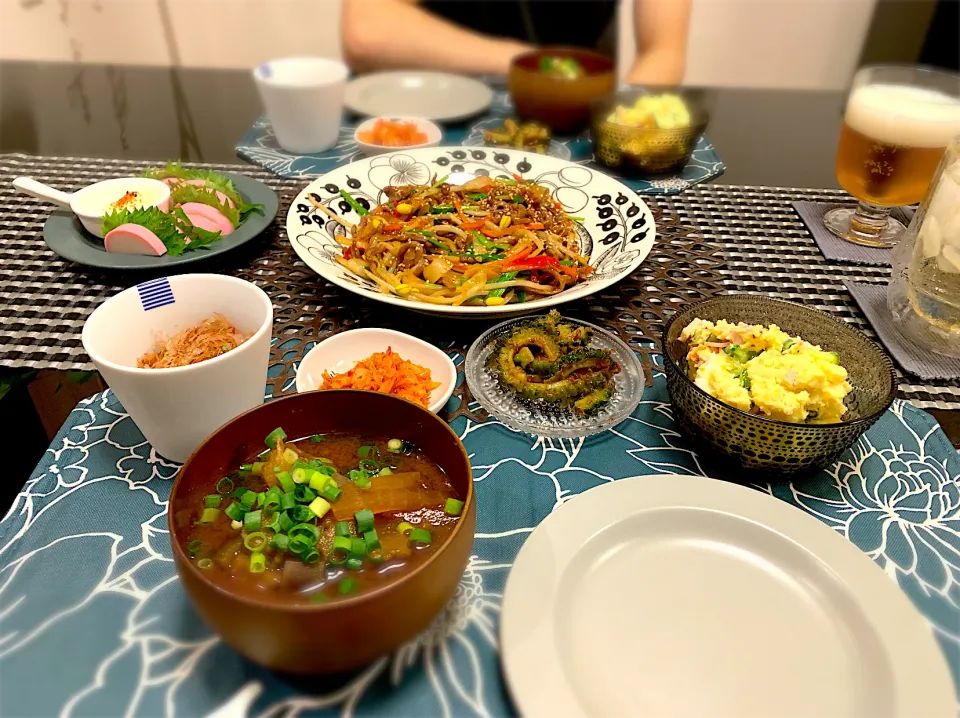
(546, 419)
(616, 233)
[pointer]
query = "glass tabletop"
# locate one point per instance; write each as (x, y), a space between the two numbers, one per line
(778, 138)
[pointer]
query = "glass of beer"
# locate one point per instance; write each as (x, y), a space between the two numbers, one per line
(897, 124)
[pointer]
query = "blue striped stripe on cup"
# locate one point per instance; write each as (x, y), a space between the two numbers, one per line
(155, 293)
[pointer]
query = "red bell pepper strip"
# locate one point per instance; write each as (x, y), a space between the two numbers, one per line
(541, 262)
(473, 225)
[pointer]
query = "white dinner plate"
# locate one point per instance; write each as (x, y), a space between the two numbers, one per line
(616, 232)
(684, 596)
(431, 95)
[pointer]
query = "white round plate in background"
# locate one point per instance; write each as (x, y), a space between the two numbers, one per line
(437, 96)
(688, 596)
(616, 232)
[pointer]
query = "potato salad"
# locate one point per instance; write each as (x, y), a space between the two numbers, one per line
(765, 371)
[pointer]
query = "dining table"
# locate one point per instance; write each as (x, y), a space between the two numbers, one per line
(93, 620)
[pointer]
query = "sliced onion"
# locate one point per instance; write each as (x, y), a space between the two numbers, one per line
(436, 269)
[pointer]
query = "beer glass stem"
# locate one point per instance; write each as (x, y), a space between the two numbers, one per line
(869, 221)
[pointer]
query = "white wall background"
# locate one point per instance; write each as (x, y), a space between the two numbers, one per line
(744, 43)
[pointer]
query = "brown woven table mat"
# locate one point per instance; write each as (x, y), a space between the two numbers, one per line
(712, 239)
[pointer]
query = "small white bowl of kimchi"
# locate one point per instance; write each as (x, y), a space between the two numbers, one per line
(381, 360)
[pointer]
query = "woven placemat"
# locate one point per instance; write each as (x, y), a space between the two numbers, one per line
(915, 359)
(47, 300)
(712, 238)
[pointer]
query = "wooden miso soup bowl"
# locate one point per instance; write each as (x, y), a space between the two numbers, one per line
(349, 632)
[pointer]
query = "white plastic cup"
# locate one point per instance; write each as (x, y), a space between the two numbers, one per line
(303, 97)
(177, 408)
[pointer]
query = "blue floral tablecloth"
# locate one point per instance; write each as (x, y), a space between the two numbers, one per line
(93, 621)
(259, 146)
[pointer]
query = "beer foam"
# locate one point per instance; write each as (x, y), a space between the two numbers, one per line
(904, 115)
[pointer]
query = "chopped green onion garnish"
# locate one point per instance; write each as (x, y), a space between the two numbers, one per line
(299, 476)
(304, 494)
(208, 516)
(290, 456)
(371, 539)
(271, 504)
(362, 483)
(251, 520)
(212, 501)
(274, 523)
(284, 521)
(301, 513)
(342, 529)
(205, 563)
(260, 497)
(385, 471)
(369, 465)
(319, 598)
(320, 507)
(274, 437)
(256, 467)
(255, 541)
(347, 585)
(453, 507)
(287, 501)
(404, 527)
(395, 445)
(376, 556)
(311, 556)
(421, 536)
(308, 530)
(299, 544)
(225, 486)
(235, 511)
(342, 542)
(364, 451)
(280, 542)
(286, 481)
(193, 548)
(364, 519)
(258, 563)
(248, 500)
(239, 492)
(358, 547)
(331, 493)
(317, 438)
(354, 563)
(318, 480)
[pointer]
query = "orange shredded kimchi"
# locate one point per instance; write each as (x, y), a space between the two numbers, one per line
(388, 373)
(208, 339)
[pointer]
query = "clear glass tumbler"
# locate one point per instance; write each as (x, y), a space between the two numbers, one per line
(924, 293)
(898, 121)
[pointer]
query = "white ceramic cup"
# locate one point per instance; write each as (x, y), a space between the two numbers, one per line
(303, 97)
(177, 408)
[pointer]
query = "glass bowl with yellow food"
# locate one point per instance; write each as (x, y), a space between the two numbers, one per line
(647, 131)
(771, 384)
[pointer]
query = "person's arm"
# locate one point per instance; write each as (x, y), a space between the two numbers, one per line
(661, 27)
(380, 34)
